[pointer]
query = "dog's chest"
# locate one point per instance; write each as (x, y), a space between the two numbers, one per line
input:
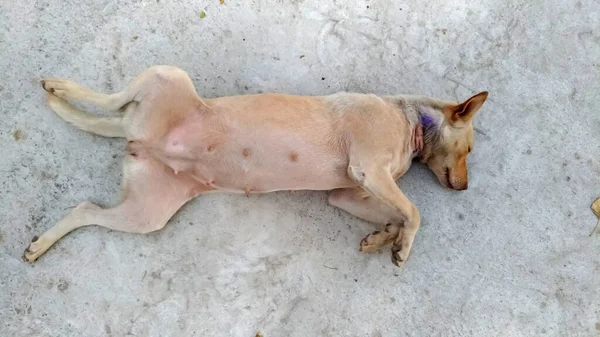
(402, 164)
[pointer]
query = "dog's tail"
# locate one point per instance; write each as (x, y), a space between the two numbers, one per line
(99, 125)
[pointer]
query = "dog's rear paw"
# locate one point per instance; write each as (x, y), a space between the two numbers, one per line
(35, 249)
(59, 87)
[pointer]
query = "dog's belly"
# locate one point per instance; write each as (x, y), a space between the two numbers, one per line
(260, 178)
(263, 157)
(265, 168)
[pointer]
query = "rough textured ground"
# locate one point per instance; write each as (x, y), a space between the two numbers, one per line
(509, 257)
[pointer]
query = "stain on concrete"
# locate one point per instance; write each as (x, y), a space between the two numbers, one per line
(62, 285)
(18, 135)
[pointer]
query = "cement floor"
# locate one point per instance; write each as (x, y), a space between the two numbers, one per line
(509, 257)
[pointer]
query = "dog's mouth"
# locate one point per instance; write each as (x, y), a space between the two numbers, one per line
(448, 183)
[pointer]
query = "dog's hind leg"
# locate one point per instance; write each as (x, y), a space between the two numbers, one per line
(145, 82)
(99, 125)
(361, 204)
(151, 82)
(69, 90)
(60, 90)
(152, 194)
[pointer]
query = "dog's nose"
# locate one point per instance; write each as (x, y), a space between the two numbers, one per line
(462, 187)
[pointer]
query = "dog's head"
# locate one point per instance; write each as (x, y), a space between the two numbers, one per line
(446, 154)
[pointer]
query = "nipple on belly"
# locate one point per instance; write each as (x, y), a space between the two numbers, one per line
(176, 146)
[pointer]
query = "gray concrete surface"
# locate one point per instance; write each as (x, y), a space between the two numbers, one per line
(509, 257)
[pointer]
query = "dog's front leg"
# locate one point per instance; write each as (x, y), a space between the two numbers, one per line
(378, 180)
(362, 204)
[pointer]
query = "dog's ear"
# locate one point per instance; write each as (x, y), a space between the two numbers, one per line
(460, 114)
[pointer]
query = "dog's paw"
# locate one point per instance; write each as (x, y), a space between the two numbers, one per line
(59, 87)
(370, 243)
(35, 249)
(376, 240)
(398, 255)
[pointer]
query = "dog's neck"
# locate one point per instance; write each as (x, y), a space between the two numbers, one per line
(431, 122)
(425, 121)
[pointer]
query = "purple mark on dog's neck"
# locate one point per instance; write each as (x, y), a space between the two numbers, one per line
(427, 121)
